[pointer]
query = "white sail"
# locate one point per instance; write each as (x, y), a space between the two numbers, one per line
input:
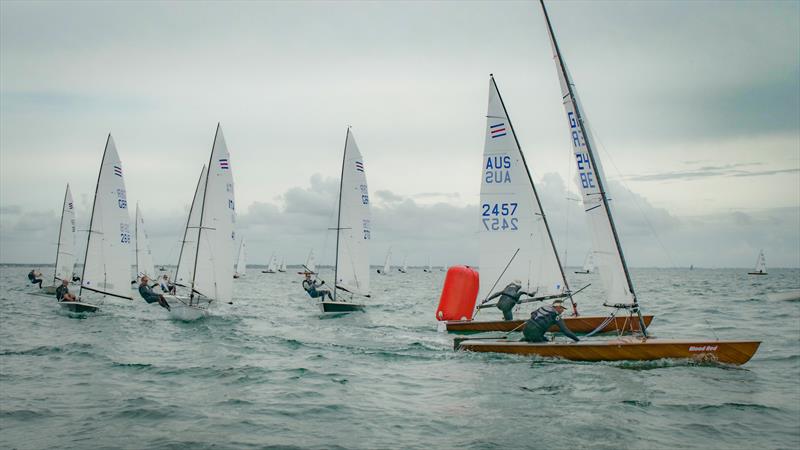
(144, 257)
(213, 272)
(184, 270)
(107, 267)
(608, 256)
(311, 262)
(273, 264)
(588, 263)
(761, 263)
(387, 264)
(353, 229)
(241, 261)
(65, 252)
(515, 244)
(405, 265)
(282, 267)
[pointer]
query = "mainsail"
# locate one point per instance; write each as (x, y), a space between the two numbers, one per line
(106, 267)
(353, 227)
(144, 257)
(311, 262)
(387, 264)
(273, 264)
(761, 262)
(515, 241)
(212, 273)
(183, 273)
(588, 263)
(609, 258)
(282, 267)
(65, 252)
(241, 262)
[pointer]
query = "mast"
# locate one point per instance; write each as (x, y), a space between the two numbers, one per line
(91, 218)
(598, 179)
(58, 245)
(536, 196)
(339, 217)
(186, 230)
(136, 233)
(202, 213)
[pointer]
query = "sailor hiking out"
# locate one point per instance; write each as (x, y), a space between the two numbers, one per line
(509, 298)
(542, 319)
(149, 296)
(35, 277)
(313, 288)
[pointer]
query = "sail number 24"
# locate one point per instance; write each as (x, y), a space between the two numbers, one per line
(499, 216)
(584, 163)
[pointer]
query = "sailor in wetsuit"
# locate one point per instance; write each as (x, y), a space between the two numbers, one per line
(149, 296)
(544, 318)
(509, 298)
(63, 294)
(312, 287)
(35, 277)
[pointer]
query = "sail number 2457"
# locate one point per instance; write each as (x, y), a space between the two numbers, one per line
(499, 216)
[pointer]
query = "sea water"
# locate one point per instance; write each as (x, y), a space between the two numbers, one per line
(269, 371)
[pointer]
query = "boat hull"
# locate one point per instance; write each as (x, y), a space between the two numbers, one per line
(78, 307)
(580, 324)
(756, 273)
(180, 309)
(728, 352)
(340, 307)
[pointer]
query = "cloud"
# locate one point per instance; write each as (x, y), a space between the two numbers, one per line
(727, 170)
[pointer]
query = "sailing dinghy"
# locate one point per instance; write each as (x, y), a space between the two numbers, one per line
(272, 267)
(282, 266)
(351, 271)
(588, 264)
(310, 266)
(241, 263)
(205, 272)
(515, 239)
(106, 264)
(65, 249)
(387, 265)
(761, 265)
(144, 256)
(404, 268)
(612, 267)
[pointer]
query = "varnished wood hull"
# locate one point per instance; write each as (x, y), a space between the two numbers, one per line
(580, 324)
(625, 349)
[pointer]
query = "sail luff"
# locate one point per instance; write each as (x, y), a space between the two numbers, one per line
(65, 256)
(339, 217)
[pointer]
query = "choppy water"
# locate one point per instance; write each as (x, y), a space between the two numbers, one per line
(268, 371)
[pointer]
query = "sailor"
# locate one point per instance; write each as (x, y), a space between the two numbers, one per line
(36, 277)
(63, 294)
(166, 286)
(544, 318)
(509, 298)
(149, 296)
(311, 286)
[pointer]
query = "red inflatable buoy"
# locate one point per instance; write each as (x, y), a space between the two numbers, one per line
(459, 294)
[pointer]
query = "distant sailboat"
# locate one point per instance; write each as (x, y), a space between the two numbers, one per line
(65, 250)
(311, 264)
(241, 263)
(404, 268)
(761, 265)
(588, 264)
(387, 264)
(205, 272)
(282, 266)
(106, 264)
(144, 256)
(351, 271)
(428, 268)
(272, 267)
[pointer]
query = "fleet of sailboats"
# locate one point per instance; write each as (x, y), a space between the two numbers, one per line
(516, 246)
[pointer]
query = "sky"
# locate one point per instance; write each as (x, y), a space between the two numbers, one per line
(695, 107)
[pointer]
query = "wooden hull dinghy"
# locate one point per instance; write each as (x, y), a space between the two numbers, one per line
(78, 307)
(623, 349)
(340, 307)
(580, 324)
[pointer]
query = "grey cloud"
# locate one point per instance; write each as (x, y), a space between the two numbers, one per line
(10, 209)
(388, 196)
(728, 170)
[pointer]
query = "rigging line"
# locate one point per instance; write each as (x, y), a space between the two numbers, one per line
(630, 195)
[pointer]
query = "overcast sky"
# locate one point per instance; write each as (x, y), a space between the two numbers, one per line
(695, 106)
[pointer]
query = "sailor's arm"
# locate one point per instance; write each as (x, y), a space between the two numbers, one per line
(564, 329)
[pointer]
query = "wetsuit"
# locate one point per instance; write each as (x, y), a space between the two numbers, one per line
(541, 320)
(151, 297)
(61, 291)
(34, 280)
(311, 287)
(509, 298)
